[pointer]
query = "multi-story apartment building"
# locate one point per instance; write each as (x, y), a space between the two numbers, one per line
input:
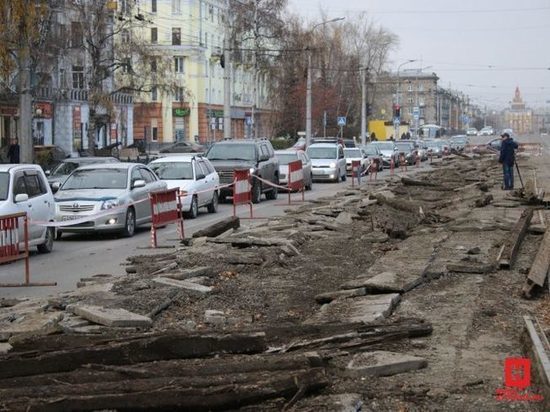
(191, 33)
(60, 89)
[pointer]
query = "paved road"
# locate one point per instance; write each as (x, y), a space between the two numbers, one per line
(77, 256)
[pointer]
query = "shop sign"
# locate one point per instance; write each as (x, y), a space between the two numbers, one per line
(180, 112)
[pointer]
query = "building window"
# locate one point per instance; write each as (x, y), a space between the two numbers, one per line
(77, 36)
(124, 7)
(179, 66)
(179, 95)
(205, 39)
(176, 6)
(176, 36)
(154, 93)
(154, 35)
(153, 65)
(410, 100)
(154, 133)
(78, 77)
(153, 6)
(127, 65)
(125, 36)
(420, 87)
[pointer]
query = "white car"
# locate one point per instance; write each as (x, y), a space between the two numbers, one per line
(327, 161)
(196, 178)
(24, 188)
(287, 156)
(356, 153)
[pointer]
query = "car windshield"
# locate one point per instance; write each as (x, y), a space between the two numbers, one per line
(286, 158)
(97, 179)
(403, 146)
(322, 152)
(353, 153)
(385, 146)
(4, 185)
(173, 170)
(232, 152)
(64, 168)
(371, 151)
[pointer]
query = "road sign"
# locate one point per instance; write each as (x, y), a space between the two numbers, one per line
(416, 111)
(341, 120)
(416, 116)
(396, 121)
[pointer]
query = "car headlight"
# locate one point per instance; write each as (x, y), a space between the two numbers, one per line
(109, 204)
(252, 170)
(332, 165)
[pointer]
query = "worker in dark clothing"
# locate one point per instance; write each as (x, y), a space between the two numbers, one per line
(13, 151)
(507, 159)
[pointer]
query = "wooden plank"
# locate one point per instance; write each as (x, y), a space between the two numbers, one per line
(541, 264)
(144, 349)
(513, 242)
(206, 394)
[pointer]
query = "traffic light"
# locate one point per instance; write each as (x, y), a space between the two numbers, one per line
(369, 109)
(396, 111)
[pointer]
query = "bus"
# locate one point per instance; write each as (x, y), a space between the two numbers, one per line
(429, 131)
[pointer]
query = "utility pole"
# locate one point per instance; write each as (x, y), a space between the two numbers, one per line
(364, 106)
(254, 131)
(227, 79)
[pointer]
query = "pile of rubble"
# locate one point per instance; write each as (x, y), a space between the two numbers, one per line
(312, 308)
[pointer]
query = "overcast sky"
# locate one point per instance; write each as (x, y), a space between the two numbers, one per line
(484, 48)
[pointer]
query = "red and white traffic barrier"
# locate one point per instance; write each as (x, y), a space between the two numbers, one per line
(355, 172)
(10, 243)
(392, 166)
(295, 179)
(403, 162)
(373, 170)
(242, 190)
(165, 209)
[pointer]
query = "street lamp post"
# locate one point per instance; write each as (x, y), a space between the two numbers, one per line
(309, 81)
(417, 116)
(397, 120)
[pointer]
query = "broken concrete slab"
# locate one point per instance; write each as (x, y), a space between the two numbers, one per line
(382, 363)
(366, 309)
(339, 294)
(471, 267)
(32, 323)
(344, 218)
(191, 273)
(214, 317)
(393, 282)
(5, 348)
(113, 317)
(70, 322)
(183, 284)
(340, 402)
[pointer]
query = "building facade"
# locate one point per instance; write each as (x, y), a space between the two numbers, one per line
(191, 35)
(518, 117)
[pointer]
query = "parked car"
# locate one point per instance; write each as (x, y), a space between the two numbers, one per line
(24, 188)
(114, 196)
(355, 153)
(434, 147)
(196, 178)
(183, 147)
(471, 131)
(349, 143)
(300, 144)
(459, 142)
(328, 161)
(254, 154)
(493, 146)
(406, 151)
(486, 131)
(388, 151)
(287, 156)
(66, 167)
(374, 155)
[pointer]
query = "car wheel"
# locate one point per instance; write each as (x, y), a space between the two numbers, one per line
(47, 246)
(344, 177)
(129, 223)
(256, 192)
(194, 209)
(222, 198)
(272, 194)
(213, 206)
(310, 185)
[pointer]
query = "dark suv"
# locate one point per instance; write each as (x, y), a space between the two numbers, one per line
(254, 154)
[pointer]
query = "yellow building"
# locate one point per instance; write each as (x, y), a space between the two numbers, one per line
(518, 117)
(191, 33)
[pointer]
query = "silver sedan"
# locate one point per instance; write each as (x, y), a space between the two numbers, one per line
(107, 197)
(287, 156)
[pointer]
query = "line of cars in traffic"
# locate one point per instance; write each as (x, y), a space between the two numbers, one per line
(97, 194)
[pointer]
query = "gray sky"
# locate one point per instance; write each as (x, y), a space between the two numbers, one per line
(484, 48)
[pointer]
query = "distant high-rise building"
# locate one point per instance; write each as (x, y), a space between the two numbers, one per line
(519, 118)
